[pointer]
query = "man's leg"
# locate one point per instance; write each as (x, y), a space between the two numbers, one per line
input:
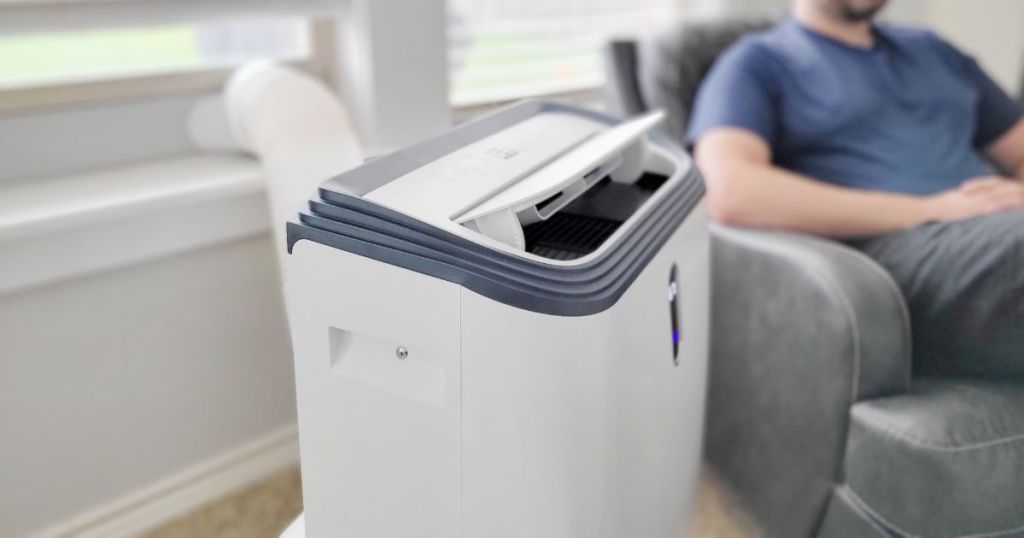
(964, 285)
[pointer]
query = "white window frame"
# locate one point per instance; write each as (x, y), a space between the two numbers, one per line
(396, 95)
(591, 96)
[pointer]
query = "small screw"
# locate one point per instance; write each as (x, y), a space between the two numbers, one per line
(401, 352)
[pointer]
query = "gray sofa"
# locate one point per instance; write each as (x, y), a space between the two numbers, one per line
(815, 417)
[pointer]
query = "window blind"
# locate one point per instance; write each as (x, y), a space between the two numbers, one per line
(501, 50)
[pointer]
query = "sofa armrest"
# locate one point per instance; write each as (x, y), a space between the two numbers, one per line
(798, 295)
(803, 328)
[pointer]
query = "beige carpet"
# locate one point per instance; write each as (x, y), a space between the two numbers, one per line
(260, 511)
(265, 509)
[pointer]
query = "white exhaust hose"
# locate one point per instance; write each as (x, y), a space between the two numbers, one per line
(296, 126)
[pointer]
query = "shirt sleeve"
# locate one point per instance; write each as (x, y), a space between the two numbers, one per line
(997, 112)
(739, 91)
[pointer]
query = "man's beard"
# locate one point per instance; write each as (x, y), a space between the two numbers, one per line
(853, 13)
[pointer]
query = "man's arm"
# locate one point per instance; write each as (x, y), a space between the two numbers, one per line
(1008, 150)
(745, 189)
(1000, 122)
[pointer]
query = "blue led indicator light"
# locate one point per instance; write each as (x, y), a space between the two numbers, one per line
(673, 313)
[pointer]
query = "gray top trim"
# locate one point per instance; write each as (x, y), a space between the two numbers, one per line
(348, 222)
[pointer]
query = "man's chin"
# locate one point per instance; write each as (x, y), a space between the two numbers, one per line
(860, 15)
(855, 10)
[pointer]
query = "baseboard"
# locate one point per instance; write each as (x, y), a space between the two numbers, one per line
(185, 490)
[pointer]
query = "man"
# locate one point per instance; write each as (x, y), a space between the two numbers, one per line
(834, 125)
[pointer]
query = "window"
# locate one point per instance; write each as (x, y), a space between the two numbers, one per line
(501, 50)
(48, 58)
(81, 65)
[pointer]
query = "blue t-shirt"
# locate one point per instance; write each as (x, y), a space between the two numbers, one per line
(909, 114)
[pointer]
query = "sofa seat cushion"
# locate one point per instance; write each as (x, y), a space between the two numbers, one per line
(945, 458)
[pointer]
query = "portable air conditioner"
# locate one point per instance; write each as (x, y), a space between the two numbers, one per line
(502, 332)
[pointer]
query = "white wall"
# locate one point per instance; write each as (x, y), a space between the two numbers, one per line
(110, 382)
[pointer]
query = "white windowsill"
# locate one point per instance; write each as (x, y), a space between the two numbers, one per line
(57, 228)
(517, 93)
(588, 96)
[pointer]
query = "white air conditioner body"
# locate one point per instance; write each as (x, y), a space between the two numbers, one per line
(503, 332)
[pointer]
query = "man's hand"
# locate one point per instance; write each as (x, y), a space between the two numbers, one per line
(975, 197)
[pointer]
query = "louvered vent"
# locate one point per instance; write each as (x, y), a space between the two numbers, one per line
(567, 237)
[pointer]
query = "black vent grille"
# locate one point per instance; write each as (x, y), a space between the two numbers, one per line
(566, 237)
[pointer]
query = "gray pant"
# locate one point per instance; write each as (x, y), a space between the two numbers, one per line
(964, 285)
